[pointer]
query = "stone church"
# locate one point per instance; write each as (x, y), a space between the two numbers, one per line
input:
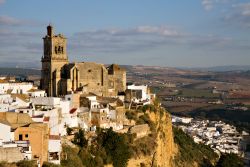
(59, 77)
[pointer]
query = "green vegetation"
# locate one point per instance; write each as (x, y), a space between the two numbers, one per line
(155, 89)
(131, 115)
(197, 93)
(238, 118)
(26, 163)
(144, 146)
(230, 160)
(48, 164)
(144, 119)
(149, 107)
(71, 159)
(6, 164)
(248, 148)
(190, 152)
(116, 146)
(69, 130)
(108, 147)
(79, 139)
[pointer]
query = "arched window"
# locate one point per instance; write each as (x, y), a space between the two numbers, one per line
(56, 49)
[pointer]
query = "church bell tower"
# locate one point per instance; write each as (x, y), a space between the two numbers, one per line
(53, 60)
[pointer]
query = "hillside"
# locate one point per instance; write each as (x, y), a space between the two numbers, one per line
(165, 149)
(173, 147)
(164, 146)
(19, 72)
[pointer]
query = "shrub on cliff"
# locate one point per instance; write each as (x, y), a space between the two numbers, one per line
(230, 160)
(48, 164)
(149, 107)
(131, 115)
(71, 157)
(144, 119)
(26, 163)
(79, 138)
(116, 146)
(190, 152)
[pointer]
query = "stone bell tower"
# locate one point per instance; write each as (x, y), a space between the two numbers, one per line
(54, 58)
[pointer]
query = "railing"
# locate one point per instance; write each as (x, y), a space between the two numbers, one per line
(22, 143)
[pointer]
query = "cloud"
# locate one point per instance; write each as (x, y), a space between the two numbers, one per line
(123, 45)
(6, 20)
(210, 4)
(2, 2)
(207, 4)
(139, 39)
(125, 40)
(238, 16)
(163, 30)
(10, 21)
(19, 47)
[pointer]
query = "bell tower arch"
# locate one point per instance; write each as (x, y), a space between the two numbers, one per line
(53, 59)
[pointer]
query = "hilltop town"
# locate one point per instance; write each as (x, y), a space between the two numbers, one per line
(35, 121)
(67, 112)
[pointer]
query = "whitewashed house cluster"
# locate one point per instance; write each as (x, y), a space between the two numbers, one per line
(76, 110)
(221, 137)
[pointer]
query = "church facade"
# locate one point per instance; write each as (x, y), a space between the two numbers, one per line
(60, 77)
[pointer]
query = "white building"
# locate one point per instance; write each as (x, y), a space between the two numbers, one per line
(141, 93)
(184, 120)
(5, 131)
(36, 93)
(54, 149)
(15, 87)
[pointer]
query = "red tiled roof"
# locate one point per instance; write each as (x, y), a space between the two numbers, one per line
(46, 119)
(54, 137)
(72, 110)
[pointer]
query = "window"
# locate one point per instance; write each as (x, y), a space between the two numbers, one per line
(26, 135)
(55, 49)
(20, 137)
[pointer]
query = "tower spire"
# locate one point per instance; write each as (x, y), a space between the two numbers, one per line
(50, 30)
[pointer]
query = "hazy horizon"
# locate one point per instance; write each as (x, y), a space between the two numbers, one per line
(183, 34)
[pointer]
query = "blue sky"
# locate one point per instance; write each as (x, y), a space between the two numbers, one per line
(179, 33)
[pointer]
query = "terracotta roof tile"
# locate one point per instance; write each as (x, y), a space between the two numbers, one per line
(46, 119)
(72, 110)
(54, 137)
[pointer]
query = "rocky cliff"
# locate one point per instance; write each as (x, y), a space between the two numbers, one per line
(165, 148)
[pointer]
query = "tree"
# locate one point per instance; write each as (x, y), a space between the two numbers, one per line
(69, 130)
(79, 139)
(230, 160)
(72, 159)
(26, 163)
(116, 147)
(49, 164)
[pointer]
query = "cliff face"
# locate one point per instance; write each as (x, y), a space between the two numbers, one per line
(165, 149)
